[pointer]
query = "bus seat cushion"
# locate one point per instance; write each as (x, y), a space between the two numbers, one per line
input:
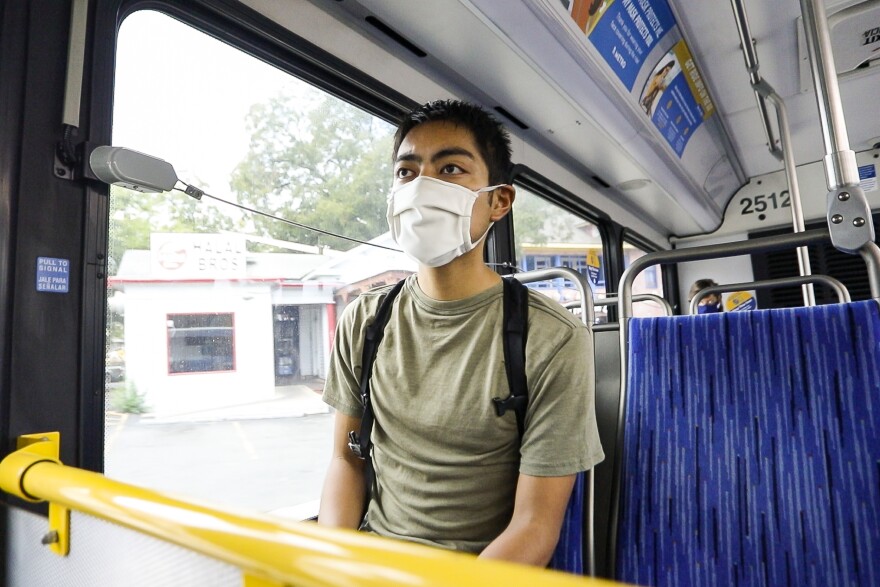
(752, 449)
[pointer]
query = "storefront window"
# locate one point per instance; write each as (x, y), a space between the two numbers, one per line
(200, 343)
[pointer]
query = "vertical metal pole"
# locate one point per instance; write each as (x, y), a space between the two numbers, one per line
(750, 54)
(848, 212)
(840, 161)
(797, 211)
(763, 91)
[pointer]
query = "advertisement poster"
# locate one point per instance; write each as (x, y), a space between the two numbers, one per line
(640, 42)
(625, 31)
(594, 268)
(675, 99)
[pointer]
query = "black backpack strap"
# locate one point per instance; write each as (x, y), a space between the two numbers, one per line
(516, 320)
(362, 444)
(515, 311)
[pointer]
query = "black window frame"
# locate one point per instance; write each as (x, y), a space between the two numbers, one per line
(531, 180)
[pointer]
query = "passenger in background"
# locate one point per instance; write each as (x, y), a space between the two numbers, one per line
(711, 303)
(449, 471)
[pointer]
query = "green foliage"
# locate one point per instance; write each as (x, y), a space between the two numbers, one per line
(128, 399)
(538, 222)
(316, 161)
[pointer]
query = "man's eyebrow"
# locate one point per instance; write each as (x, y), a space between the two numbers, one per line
(442, 153)
(408, 157)
(450, 151)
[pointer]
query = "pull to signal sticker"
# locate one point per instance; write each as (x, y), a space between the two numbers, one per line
(53, 274)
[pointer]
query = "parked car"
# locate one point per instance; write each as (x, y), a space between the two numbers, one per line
(114, 373)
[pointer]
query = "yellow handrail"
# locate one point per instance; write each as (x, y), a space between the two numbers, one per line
(289, 553)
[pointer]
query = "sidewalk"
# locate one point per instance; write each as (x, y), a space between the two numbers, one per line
(291, 401)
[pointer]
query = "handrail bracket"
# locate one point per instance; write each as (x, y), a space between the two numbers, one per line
(32, 449)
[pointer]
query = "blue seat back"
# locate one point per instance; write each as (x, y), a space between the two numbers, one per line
(569, 553)
(752, 449)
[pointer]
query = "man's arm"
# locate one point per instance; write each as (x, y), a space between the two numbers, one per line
(342, 499)
(538, 513)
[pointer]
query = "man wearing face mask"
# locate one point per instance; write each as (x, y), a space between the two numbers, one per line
(449, 471)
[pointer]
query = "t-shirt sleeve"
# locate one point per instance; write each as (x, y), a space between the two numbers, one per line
(342, 387)
(561, 436)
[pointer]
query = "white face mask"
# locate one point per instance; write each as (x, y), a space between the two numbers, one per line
(431, 219)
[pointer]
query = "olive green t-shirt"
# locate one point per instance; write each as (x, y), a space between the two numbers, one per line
(446, 465)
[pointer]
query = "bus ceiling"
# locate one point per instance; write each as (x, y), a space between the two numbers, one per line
(567, 84)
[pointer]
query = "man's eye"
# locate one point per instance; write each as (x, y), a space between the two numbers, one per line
(451, 169)
(402, 173)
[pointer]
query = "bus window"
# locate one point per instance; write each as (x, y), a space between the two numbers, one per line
(649, 281)
(549, 236)
(220, 321)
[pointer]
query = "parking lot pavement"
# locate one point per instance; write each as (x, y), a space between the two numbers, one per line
(292, 401)
(262, 456)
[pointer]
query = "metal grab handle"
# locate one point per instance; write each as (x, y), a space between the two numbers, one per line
(580, 282)
(614, 300)
(870, 253)
(750, 54)
(794, 190)
(588, 317)
(836, 285)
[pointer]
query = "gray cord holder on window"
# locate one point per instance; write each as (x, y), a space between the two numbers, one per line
(132, 169)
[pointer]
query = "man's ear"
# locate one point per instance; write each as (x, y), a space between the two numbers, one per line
(502, 202)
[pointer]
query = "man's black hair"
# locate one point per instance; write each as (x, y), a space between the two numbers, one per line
(489, 135)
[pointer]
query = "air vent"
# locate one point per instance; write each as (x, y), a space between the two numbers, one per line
(633, 184)
(511, 118)
(395, 36)
(855, 36)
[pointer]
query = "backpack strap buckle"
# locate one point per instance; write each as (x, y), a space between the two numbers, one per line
(511, 402)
